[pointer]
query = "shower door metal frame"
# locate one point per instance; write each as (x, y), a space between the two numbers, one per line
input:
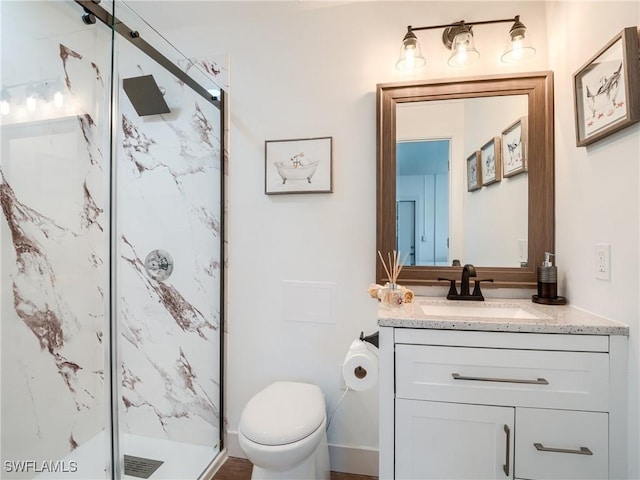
(134, 37)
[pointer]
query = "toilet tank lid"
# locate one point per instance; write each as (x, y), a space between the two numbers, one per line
(283, 413)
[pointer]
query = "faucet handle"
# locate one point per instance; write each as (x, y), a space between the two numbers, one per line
(452, 287)
(476, 287)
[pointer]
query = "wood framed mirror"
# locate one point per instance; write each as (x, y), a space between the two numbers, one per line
(537, 90)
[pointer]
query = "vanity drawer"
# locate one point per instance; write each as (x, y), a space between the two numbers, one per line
(559, 444)
(547, 379)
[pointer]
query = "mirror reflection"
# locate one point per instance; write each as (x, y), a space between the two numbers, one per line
(462, 181)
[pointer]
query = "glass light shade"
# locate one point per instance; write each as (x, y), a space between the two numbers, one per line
(518, 48)
(31, 92)
(31, 103)
(410, 54)
(463, 50)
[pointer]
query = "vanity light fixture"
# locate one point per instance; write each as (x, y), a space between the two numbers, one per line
(49, 90)
(458, 37)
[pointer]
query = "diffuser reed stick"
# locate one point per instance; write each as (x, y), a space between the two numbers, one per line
(385, 266)
(395, 265)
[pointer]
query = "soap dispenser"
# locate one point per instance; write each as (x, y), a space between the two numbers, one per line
(548, 283)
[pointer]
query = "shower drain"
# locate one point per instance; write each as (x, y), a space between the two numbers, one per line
(140, 467)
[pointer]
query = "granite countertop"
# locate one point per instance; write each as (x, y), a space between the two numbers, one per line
(508, 315)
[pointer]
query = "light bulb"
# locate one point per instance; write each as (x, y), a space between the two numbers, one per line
(410, 58)
(462, 54)
(31, 103)
(58, 99)
(5, 107)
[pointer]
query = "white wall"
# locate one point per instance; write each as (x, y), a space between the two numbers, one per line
(597, 199)
(301, 69)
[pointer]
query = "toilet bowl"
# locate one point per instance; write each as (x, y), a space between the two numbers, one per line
(282, 432)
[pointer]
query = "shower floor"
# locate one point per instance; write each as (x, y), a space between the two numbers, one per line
(182, 461)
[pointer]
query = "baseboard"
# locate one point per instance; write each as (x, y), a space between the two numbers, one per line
(356, 460)
(214, 466)
(233, 445)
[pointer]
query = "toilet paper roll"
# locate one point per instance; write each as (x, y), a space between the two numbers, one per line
(360, 367)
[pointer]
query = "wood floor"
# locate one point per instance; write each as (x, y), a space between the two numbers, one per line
(240, 469)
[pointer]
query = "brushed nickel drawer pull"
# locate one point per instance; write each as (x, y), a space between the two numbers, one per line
(582, 451)
(539, 381)
(508, 433)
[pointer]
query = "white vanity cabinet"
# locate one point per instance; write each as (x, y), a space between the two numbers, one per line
(458, 404)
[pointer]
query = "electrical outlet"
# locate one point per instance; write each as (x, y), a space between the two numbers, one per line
(603, 261)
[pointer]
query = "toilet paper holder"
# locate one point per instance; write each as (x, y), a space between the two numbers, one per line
(373, 339)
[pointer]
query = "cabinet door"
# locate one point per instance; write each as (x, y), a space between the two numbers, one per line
(562, 444)
(436, 440)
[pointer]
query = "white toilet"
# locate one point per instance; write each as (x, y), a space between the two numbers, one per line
(282, 432)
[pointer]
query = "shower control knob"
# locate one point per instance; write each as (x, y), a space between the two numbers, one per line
(159, 265)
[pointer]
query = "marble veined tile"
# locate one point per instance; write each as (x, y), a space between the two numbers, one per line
(169, 175)
(52, 193)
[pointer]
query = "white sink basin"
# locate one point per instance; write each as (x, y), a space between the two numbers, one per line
(476, 310)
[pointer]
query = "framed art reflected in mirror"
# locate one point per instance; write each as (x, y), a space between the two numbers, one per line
(474, 172)
(491, 161)
(514, 148)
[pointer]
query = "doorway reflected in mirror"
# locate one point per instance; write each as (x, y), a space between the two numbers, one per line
(422, 200)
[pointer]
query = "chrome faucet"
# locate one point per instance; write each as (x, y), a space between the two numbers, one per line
(467, 271)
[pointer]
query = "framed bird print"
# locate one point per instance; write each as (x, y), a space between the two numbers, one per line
(491, 161)
(514, 148)
(474, 172)
(606, 89)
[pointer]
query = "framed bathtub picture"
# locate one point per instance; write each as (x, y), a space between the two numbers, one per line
(514, 148)
(474, 172)
(606, 89)
(298, 166)
(491, 161)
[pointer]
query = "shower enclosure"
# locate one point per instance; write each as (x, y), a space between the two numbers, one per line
(111, 244)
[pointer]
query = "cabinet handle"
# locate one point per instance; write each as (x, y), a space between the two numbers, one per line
(505, 467)
(582, 451)
(539, 381)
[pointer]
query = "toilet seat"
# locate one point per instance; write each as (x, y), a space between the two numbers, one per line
(283, 413)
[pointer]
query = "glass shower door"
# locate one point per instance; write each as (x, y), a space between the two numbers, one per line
(54, 242)
(110, 250)
(167, 259)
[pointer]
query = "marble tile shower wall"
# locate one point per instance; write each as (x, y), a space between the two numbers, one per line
(54, 240)
(55, 232)
(168, 198)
